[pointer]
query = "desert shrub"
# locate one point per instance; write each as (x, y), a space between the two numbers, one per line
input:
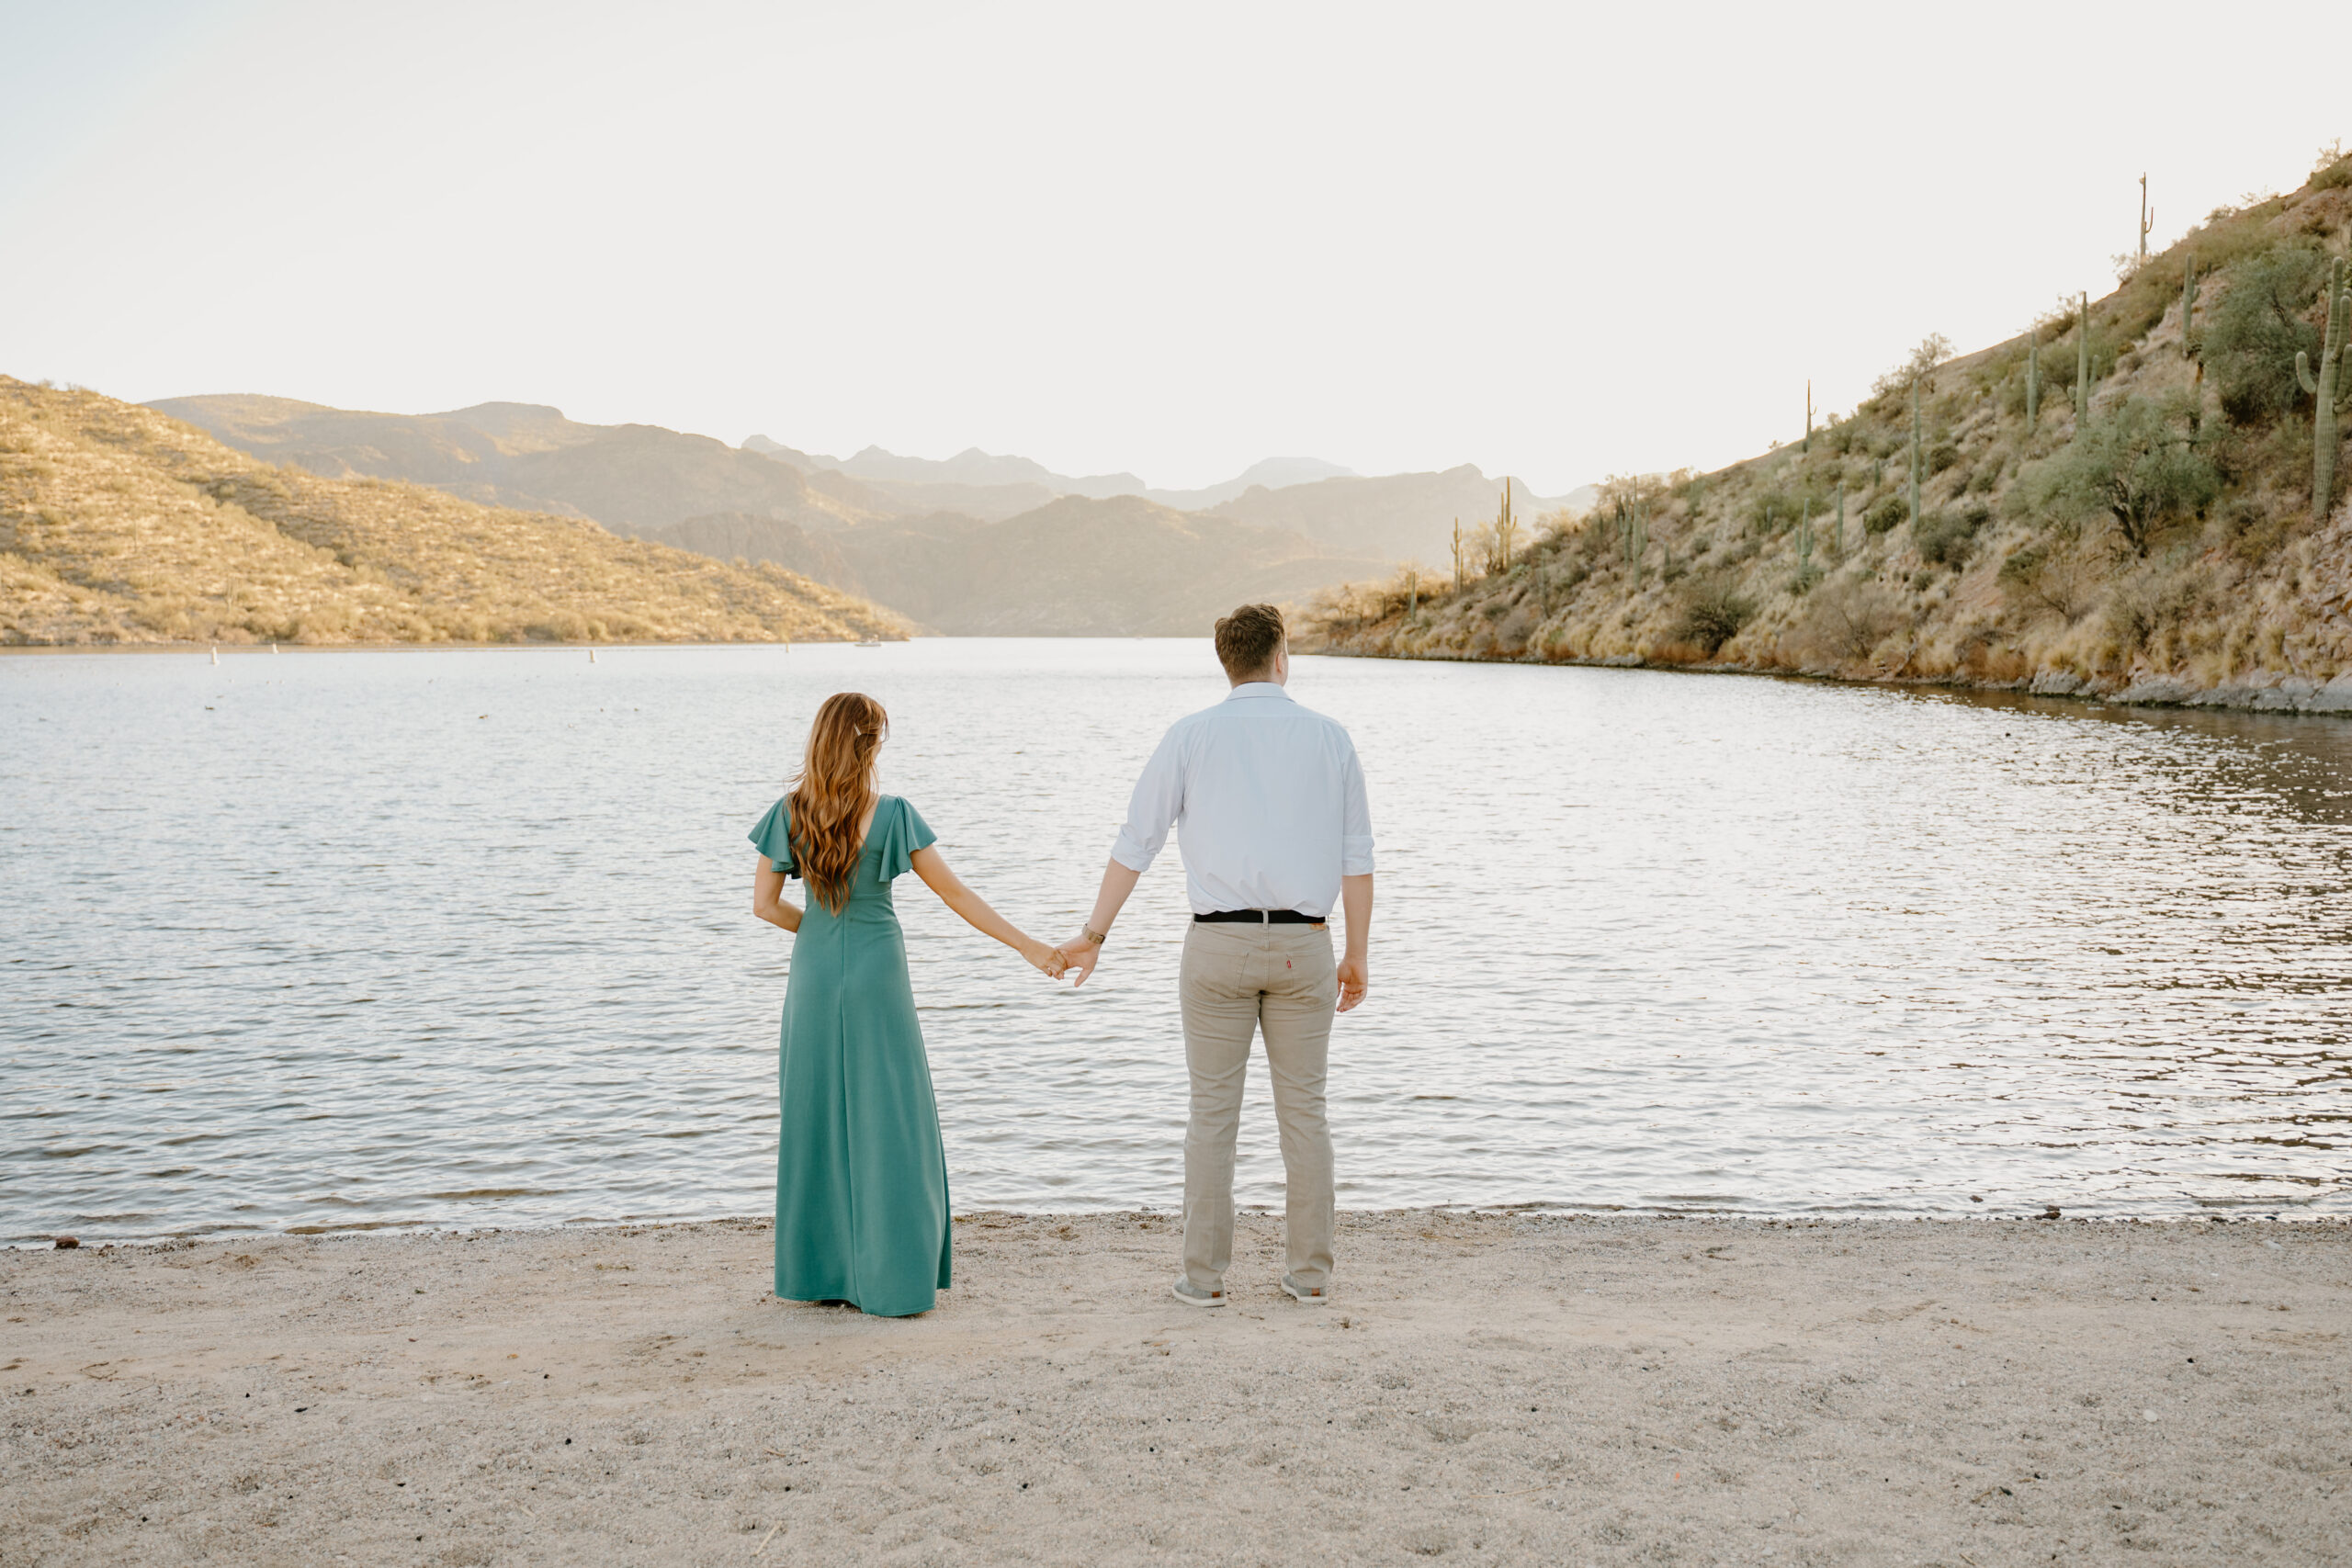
(1887, 513)
(2331, 176)
(1515, 628)
(2010, 397)
(1942, 454)
(1942, 538)
(1849, 616)
(1770, 511)
(1894, 388)
(1712, 613)
(2150, 602)
(2250, 339)
(2136, 463)
(2249, 529)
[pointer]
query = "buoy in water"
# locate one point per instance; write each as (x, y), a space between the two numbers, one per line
(273, 648)
(592, 656)
(216, 656)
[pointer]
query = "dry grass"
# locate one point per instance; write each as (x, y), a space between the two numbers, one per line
(120, 526)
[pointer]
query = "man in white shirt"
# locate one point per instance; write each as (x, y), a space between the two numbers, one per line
(1268, 803)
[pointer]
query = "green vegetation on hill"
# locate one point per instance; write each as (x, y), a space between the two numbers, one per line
(1970, 523)
(118, 525)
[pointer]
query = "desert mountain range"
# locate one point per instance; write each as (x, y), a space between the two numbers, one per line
(978, 544)
(2142, 497)
(120, 526)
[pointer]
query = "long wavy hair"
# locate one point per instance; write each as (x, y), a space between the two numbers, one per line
(833, 792)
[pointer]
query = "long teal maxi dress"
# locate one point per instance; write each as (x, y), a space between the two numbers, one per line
(861, 1176)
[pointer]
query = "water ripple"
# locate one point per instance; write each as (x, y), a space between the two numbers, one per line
(342, 953)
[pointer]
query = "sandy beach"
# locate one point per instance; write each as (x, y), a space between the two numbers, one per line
(1488, 1389)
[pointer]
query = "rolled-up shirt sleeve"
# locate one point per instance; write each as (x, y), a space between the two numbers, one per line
(1152, 810)
(1356, 831)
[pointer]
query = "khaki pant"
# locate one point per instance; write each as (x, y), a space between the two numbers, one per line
(1239, 978)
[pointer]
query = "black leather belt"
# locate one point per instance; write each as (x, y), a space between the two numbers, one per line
(1263, 918)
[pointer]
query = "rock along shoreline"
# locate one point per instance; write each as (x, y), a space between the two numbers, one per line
(2272, 694)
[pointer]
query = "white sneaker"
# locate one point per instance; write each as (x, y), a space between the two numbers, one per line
(1192, 1295)
(1313, 1295)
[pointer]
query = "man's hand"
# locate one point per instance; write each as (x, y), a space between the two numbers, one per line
(1355, 978)
(1080, 955)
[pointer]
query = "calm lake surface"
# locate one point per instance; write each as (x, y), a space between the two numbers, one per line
(378, 938)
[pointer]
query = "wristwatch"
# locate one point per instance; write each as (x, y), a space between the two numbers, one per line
(1091, 935)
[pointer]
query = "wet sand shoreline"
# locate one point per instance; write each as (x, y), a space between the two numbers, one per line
(1484, 1389)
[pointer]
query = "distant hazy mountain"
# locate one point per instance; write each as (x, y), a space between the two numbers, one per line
(1076, 567)
(1274, 473)
(1393, 517)
(122, 525)
(982, 485)
(970, 467)
(741, 536)
(530, 457)
(975, 543)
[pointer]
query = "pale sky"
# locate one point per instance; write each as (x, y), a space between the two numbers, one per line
(1555, 241)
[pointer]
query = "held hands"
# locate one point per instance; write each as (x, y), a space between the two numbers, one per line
(1081, 955)
(1048, 961)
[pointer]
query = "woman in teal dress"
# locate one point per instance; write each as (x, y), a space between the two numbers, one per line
(861, 1178)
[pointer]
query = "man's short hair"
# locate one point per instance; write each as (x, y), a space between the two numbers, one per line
(1245, 640)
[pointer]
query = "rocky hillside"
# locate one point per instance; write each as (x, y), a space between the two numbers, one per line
(530, 457)
(1970, 523)
(118, 525)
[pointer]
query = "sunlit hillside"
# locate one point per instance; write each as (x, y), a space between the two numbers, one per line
(118, 525)
(2183, 537)
(530, 457)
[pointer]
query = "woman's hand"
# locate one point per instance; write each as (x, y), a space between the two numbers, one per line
(1048, 961)
(768, 897)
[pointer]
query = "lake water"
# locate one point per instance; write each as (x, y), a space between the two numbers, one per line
(380, 939)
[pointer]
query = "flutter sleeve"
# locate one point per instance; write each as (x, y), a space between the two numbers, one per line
(773, 837)
(907, 833)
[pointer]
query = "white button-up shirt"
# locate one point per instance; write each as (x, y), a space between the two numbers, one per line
(1268, 800)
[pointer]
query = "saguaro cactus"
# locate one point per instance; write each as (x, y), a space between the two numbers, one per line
(1457, 555)
(2147, 217)
(1804, 541)
(1808, 414)
(2033, 376)
(1633, 538)
(1837, 540)
(2322, 388)
(1505, 525)
(2187, 304)
(1914, 453)
(2083, 366)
